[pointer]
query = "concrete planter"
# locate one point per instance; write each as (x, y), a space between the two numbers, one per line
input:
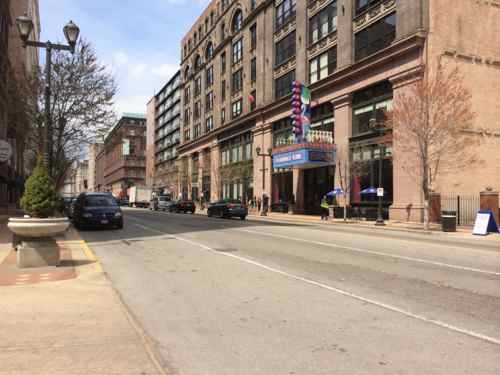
(35, 245)
(34, 227)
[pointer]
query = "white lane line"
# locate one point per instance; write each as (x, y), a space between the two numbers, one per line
(382, 305)
(372, 252)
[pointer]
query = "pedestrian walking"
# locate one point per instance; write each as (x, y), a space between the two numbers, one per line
(324, 209)
(259, 204)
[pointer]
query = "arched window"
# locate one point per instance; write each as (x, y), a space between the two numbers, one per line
(222, 31)
(197, 62)
(209, 52)
(237, 21)
(186, 72)
(195, 38)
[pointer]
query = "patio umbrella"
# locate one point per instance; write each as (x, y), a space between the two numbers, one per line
(336, 191)
(369, 190)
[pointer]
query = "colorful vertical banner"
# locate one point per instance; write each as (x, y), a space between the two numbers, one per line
(301, 111)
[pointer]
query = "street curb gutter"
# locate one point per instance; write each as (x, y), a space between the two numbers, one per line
(147, 341)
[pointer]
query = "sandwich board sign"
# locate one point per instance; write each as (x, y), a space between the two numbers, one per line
(485, 223)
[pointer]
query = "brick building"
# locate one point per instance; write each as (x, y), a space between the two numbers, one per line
(17, 64)
(356, 56)
(125, 154)
(163, 138)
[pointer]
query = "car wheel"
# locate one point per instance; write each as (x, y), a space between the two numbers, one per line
(209, 213)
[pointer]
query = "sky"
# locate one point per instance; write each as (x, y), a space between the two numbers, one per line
(139, 40)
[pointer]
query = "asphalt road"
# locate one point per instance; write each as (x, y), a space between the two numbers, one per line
(230, 297)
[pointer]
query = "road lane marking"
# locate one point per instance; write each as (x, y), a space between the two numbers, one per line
(382, 305)
(372, 252)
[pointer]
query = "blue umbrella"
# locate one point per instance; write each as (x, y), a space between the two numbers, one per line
(369, 190)
(336, 191)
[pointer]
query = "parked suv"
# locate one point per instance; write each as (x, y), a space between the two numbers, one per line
(97, 210)
(228, 208)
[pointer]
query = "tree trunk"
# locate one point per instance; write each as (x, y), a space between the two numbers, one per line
(426, 214)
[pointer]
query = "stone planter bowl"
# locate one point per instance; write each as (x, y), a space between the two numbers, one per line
(34, 227)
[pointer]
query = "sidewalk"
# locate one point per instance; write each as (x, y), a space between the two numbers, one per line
(74, 326)
(463, 235)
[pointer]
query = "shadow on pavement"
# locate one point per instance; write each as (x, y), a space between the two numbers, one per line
(171, 223)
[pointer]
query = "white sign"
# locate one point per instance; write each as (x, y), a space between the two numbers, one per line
(380, 192)
(481, 224)
(5, 151)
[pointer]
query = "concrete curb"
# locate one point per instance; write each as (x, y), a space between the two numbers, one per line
(147, 341)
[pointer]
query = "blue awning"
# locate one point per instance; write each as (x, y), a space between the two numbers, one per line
(336, 191)
(369, 190)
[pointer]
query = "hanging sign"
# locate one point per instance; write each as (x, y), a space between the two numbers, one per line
(5, 151)
(485, 223)
(380, 192)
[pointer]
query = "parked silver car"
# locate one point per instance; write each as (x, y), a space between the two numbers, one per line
(159, 203)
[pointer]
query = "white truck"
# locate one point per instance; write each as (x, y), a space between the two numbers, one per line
(139, 196)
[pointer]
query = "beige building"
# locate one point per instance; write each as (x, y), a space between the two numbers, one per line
(239, 61)
(94, 150)
(82, 177)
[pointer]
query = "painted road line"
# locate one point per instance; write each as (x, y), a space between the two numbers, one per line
(409, 314)
(372, 252)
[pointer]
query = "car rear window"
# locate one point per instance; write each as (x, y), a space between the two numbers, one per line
(100, 201)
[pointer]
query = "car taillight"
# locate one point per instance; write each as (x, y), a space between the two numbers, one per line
(231, 205)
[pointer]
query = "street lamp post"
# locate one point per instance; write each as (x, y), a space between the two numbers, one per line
(378, 127)
(71, 32)
(264, 155)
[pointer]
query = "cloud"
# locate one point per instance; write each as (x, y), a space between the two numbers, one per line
(120, 58)
(165, 70)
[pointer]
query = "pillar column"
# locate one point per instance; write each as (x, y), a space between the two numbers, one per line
(215, 179)
(262, 165)
(342, 107)
(189, 176)
(298, 190)
(407, 193)
(344, 33)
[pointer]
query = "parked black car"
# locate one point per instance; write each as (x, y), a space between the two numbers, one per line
(228, 208)
(97, 210)
(182, 206)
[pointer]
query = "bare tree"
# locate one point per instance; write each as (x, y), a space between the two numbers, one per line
(432, 121)
(81, 106)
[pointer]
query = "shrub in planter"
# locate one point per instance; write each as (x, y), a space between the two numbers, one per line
(39, 199)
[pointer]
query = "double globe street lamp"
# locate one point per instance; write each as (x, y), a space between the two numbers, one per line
(71, 32)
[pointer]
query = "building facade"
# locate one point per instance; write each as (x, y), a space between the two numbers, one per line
(163, 136)
(100, 166)
(17, 66)
(356, 56)
(82, 177)
(125, 154)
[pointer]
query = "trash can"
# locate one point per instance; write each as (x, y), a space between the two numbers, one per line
(449, 221)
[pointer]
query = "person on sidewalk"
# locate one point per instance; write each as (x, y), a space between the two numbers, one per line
(324, 208)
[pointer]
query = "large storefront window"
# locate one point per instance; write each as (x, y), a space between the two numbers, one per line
(236, 173)
(372, 103)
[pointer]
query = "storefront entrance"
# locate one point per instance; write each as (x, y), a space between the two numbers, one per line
(317, 183)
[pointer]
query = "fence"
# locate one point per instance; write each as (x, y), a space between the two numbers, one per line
(465, 206)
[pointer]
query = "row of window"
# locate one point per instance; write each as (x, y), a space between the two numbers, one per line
(167, 116)
(168, 103)
(169, 128)
(170, 140)
(237, 149)
(167, 154)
